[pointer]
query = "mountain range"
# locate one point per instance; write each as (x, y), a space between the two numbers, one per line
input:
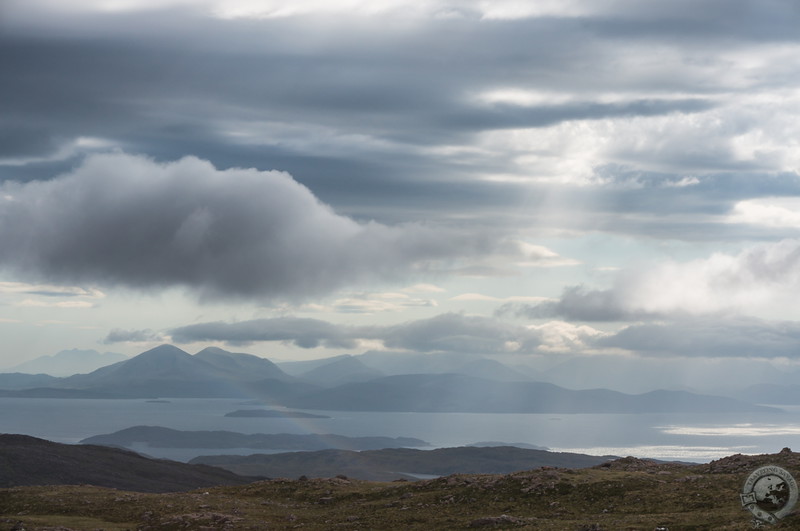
(347, 384)
(68, 362)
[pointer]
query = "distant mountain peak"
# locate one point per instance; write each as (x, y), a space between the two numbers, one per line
(214, 350)
(67, 362)
(164, 350)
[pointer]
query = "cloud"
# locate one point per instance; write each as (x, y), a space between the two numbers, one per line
(781, 212)
(480, 297)
(45, 290)
(757, 279)
(739, 337)
(124, 219)
(31, 303)
(301, 332)
(119, 335)
(380, 302)
(577, 303)
(450, 332)
(562, 337)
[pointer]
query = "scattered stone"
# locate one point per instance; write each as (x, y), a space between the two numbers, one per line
(205, 521)
(502, 520)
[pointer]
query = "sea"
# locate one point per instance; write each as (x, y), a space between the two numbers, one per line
(689, 437)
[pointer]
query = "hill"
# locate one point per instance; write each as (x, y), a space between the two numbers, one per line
(19, 380)
(398, 463)
(158, 437)
(460, 393)
(27, 460)
(628, 493)
(67, 363)
(340, 371)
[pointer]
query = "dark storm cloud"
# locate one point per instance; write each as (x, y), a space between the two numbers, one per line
(122, 219)
(444, 333)
(709, 337)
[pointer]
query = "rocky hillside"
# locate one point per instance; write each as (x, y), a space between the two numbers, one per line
(627, 493)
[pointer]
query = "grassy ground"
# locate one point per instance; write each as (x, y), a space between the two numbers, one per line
(625, 495)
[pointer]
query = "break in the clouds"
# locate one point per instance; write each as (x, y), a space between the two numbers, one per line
(126, 220)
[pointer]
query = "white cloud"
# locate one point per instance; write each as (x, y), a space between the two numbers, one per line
(777, 212)
(758, 277)
(480, 297)
(50, 290)
(424, 288)
(31, 303)
(380, 302)
(560, 336)
(762, 280)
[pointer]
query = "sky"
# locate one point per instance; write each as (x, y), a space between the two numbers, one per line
(534, 181)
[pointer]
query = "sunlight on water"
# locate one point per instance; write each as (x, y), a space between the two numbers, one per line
(736, 430)
(670, 453)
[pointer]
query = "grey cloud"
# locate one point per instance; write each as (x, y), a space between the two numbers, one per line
(577, 303)
(304, 333)
(709, 337)
(119, 335)
(459, 333)
(505, 116)
(121, 219)
(443, 333)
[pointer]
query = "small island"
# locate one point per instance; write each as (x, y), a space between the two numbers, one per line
(272, 413)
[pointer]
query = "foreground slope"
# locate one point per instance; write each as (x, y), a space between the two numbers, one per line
(27, 460)
(625, 494)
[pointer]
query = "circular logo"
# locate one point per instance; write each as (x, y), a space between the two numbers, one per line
(769, 494)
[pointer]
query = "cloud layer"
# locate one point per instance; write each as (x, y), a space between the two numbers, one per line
(122, 219)
(448, 332)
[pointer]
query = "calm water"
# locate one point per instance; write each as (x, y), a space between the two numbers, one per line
(690, 437)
